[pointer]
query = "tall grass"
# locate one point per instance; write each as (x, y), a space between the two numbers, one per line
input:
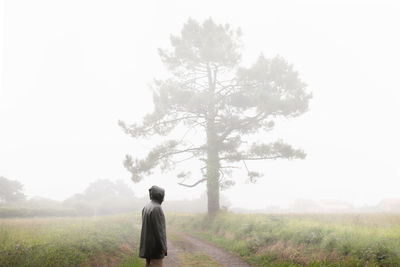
(67, 241)
(313, 240)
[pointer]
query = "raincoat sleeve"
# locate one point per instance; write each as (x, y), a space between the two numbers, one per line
(158, 221)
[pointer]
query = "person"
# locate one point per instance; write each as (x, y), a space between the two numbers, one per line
(153, 238)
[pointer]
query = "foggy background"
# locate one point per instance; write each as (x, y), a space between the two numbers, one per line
(71, 69)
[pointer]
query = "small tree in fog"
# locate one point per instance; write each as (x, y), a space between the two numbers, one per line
(210, 93)
(10, 191)
(103, 197)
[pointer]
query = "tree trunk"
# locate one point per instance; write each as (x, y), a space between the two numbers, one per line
(212, 170)
(212, 147)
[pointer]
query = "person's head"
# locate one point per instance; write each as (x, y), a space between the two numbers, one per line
(157, 193)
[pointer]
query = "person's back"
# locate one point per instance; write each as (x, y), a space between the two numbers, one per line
(153, 239)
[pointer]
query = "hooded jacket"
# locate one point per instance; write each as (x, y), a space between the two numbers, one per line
(153, 238)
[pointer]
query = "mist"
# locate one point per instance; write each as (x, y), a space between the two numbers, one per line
(70, 71)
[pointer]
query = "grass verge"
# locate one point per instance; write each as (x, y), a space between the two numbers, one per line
(300, 240)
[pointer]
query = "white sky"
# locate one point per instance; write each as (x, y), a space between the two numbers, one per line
(71, 69)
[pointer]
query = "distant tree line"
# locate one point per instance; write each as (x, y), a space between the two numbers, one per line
(101, 197)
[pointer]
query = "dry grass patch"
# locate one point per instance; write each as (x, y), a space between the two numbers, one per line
(229, 235)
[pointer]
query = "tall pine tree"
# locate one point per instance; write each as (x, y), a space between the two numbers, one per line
(210, 93)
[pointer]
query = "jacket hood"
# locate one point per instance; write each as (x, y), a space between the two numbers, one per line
(157, 193)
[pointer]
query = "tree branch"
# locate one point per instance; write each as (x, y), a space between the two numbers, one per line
(262, 158)
(193, 185)
(143, 130)
(179, 152)
(242, 123)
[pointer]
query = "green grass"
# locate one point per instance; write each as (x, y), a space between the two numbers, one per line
(301, 240)
(132, 261)
(68, 241)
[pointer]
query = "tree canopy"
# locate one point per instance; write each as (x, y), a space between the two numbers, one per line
(209, 92)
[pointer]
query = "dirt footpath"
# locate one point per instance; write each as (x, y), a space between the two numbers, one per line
(173, 251)
(187, 250)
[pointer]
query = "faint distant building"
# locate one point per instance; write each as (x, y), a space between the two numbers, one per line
(335, 206)
(390, 205)
(304, 206)
(322, 206)
(273, 209)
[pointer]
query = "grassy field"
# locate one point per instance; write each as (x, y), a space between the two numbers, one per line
(69, 241)
(260, 239)
(301, 240)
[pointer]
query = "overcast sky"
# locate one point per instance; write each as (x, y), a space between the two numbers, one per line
(71, 69)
